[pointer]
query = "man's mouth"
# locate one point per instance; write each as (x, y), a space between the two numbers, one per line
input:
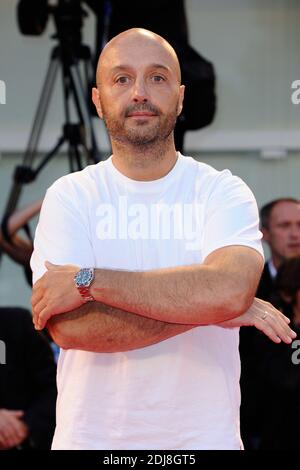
(141, 111)
(141, 114)
(294, 246)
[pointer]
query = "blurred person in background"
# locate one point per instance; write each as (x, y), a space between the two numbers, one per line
(27, 384)
(280, 225)
(279, 370)
(17, 247)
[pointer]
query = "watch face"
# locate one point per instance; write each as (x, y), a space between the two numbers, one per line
(84, 277)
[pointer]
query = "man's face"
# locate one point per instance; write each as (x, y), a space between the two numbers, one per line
(140, 95)
(283, 233)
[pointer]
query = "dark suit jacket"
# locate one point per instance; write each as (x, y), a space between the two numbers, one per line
(254, 351)
(267, 291)
(28, 379)
(250, 357)
(279, 376)
(266, 285)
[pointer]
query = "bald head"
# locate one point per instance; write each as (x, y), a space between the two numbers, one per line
(138, 94)
(142, 40)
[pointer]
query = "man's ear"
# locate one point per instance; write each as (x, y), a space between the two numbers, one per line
(180, 101)
(265, 233)
(96, 101)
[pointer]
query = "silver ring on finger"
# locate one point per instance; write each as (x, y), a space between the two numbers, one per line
(264, 316)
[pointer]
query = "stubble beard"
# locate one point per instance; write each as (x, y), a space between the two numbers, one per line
(143, 136)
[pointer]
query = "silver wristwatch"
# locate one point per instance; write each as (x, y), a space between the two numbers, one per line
(83, 280)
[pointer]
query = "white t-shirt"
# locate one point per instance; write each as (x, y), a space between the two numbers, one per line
(182, 393)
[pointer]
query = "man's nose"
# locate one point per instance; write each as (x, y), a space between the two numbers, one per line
(140, 93)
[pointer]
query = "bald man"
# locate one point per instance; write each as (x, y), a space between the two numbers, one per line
(144, 266)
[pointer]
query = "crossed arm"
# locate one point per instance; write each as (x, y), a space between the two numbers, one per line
(148, 307)
(98, 327)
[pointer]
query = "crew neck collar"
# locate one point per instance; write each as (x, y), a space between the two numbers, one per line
(145, 186)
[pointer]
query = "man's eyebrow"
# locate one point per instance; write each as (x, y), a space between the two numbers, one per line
(159, 66)
(129, 67)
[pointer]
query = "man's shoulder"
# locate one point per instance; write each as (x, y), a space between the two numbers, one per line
(78, 180)
(194, 162)
(213, 179)
(204, 169)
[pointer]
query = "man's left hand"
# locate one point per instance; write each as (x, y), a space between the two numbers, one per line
(55, 292)
(266, 318)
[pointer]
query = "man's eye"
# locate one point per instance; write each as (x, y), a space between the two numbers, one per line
(122, 80)
(284, 225)
(158, 78)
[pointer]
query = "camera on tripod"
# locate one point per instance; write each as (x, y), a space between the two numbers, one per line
(71, 57)
(33, 16)
(68, 55)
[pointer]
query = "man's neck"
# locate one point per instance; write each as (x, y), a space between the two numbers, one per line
(142, 163)
(276, 261)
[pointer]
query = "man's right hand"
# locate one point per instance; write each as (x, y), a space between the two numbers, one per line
(13, 431)
(266, 318)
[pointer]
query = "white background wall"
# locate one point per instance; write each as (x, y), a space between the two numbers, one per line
(254, 46)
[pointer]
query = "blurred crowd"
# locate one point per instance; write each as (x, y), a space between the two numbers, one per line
(270, 373)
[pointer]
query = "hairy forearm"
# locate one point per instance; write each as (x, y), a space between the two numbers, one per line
(187, 294)
(100, 328)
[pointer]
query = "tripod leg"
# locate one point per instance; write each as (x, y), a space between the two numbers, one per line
(89, 74)
(50, 154)
(41, 111)
(83, 113)
(71, 155)
(89, 78)
(37, 126)
(77, 157)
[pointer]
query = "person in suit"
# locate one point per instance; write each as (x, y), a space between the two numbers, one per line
(27, 383)
(279, 370)
(280, 225)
